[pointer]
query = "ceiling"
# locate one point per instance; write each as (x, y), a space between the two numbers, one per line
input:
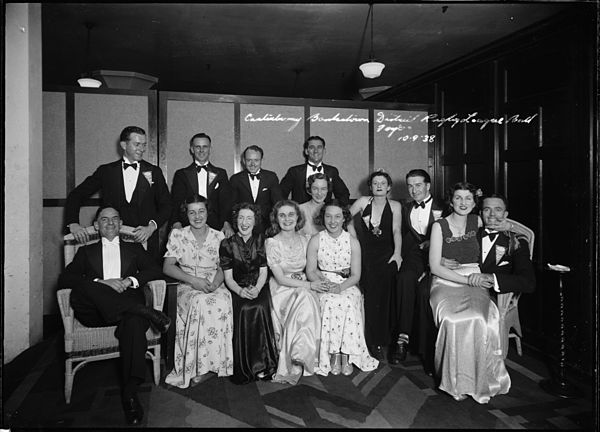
(289, 50)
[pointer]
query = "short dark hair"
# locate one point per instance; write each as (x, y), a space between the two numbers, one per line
(419, 173)
(103, 207)
(200, 135)
(496, 195)
(320, 218)
(381, 173)
(244, 206)
(191, 199)
(275, 229)
(462, 186)
(312, 138)
(253, 148)
(126, 133)
(318, 176)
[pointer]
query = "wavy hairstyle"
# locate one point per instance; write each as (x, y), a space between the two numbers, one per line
(275, 229)
(244, 206)
(320, 218)
(192, 199)
(463, 186)
(318, 176)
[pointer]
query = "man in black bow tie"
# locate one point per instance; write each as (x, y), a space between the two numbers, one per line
(202, 178)
(108, 279)
(295, 179)
(418, 215)
(134, 187)
(256, 185)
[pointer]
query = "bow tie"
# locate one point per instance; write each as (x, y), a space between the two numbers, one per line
(132, 165)
(201, 167)
(422, 203)
(491, 235)
(316, 168)
(254, 176)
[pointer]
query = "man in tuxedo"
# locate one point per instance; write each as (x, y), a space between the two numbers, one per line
(295, 179)
(202, 178)
(108, 281)
(418, 215)
(505, 259)
(255, 185)
(134, 187)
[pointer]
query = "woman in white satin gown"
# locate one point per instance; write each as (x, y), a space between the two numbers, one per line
(295, 310)
(468, 353)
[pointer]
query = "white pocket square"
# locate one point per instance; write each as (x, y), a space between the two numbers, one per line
(264, 189)
(503, 263)
(217, 186)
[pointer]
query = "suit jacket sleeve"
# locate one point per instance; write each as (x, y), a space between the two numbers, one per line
(178, 192)
(287, 183)
(340, 190)
(77, 272)
(276, 194)
(89, 186)
(162, 198)
(145, 269)
(522, 277)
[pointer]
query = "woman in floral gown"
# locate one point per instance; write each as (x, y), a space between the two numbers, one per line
(203, 339)
(295, 309)
(334, 255)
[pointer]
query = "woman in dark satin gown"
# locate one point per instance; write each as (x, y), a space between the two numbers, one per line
(379, 233)
(244, 263)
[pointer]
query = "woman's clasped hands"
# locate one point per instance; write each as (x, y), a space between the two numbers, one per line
(202, 284)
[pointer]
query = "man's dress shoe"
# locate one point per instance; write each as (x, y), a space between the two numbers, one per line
(376, 352)
(159, 320)
(398, 353)
(134, 413)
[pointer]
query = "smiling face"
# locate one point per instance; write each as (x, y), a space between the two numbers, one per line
(379, 186)
(197, 213)
(108, 223)
(463, 202)
(134, 147)
(315, 150)
(418, 189)
(318, 190)
(252, 160)
(333, 219)
(245, 222)
(200, 149)
(493, 211)
(287, 218)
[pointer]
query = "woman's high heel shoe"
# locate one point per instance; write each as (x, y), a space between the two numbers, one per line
(336, 366)
(347, 367)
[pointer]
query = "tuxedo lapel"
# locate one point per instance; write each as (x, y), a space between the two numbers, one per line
(192, 177)
(119, 185)
(142, 184)
(125, 258)
(95, 259)
(246, 183)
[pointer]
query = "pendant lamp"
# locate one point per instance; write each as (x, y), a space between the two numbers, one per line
(372, 68)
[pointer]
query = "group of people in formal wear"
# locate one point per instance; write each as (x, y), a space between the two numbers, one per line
(273, 288)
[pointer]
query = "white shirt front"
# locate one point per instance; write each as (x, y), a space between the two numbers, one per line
(254, 183)
(419, 217)
(486, 247)
(309, 170)
(130, 178)
(202, 179)
(111, 259)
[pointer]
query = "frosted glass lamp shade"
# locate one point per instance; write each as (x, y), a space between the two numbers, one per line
(89, 82)
(371, 69)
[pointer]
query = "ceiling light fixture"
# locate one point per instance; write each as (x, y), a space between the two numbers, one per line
(372, 68)
(86, 79)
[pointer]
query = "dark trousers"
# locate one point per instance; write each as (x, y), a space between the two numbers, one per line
(425, 331)
(98, 305)
(404, 298)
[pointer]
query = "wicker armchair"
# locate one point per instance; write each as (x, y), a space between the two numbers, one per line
(508, 305)
(87, 344)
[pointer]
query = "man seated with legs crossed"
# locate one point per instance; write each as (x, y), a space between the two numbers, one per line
(108, 281)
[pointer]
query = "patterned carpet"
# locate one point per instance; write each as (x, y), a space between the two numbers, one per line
(389, 397)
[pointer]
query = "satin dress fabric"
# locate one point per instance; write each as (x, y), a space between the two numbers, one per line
(342, 321)
(468, 349)
(254, 347)
(295, 313)
(378, 278)
(204, 324)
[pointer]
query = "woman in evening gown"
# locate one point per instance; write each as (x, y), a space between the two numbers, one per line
(318, 185)
(334, 255)
(468, 352)
(295, 310)
(379, 233)
(204, 314)
(244, 264)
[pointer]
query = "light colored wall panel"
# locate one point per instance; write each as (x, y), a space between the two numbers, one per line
(54, 145)
(401, 144)
(278, 130)
(53, 256)
(187, 118)
(99, 120)
(347, 143)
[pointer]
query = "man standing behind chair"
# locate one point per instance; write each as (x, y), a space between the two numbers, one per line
(205, 179)
(256, 186)
(132, 186)
(295, 179)
(108, 279)
(418, 215)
